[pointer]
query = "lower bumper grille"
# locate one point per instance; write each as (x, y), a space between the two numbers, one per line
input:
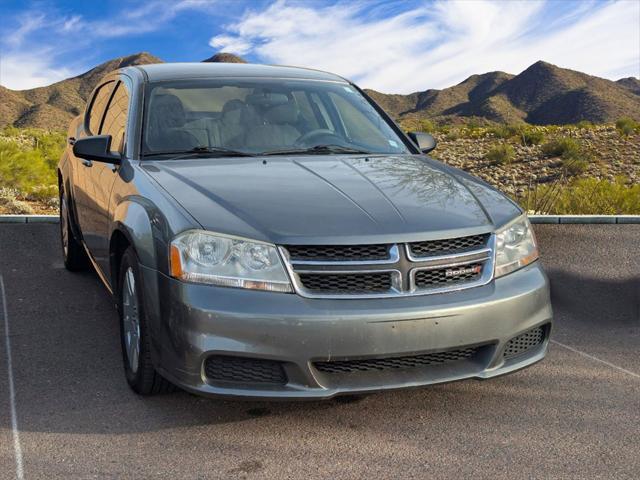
(226, 369)
(395, 363)
(524, 342)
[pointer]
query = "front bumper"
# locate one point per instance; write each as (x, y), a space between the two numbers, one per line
(192, 322)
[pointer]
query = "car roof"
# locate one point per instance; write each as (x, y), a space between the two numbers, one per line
(159, 72)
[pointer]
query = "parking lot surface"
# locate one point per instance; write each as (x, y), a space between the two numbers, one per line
(575, 415)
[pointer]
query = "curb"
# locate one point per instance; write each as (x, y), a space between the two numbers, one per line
(29, 218)
(584, 219)
(539, 219)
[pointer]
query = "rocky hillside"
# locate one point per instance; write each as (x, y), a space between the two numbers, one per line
(543, 94)
(604, 154)
(53, 106)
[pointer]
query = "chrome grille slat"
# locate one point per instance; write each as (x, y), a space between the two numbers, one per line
(399, 274)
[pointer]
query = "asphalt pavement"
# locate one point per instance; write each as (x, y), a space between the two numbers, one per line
(575, 415)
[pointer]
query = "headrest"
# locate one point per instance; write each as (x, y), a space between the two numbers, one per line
(232, 111)
(266, 100)
(234, 104)
(168, 111)
(286, 113)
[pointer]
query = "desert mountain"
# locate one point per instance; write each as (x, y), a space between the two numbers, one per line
(223, 57)
(542, 94)
(630, 83)
(53, 106)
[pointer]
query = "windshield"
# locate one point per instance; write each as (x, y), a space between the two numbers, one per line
(263, 116)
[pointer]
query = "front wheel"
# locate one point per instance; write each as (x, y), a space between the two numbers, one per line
(134, 332)
(75, 258)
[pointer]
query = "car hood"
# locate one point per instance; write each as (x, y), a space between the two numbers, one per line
(332, 199)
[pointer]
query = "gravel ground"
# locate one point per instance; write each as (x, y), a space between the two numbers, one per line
(575, 415)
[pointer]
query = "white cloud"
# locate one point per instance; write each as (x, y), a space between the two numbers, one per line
(441, 43)
(227, 43)
(20, 72)
(27, 59)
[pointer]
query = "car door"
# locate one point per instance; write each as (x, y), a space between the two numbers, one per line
(84, 198)
(100, 176)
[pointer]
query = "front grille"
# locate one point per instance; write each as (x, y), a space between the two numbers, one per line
(382, 270)
(347, 282)
(395, 363)
(524, 342)
(226, 369)
(448, 246)
(439, 277)
(338, 252)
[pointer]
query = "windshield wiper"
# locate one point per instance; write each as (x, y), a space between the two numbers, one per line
(216, 151)
(316, 150)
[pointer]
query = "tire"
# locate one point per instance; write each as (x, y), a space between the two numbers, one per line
(74, 255)
(135, 340)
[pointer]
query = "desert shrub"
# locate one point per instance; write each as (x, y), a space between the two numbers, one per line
(426, 126)
(531, 136)
(44, 193)
(585, 125)
(626, 126)
(585, 196)
(562, 147)
(590, 195)
(503, 131)
(575, 159)
(501, 154)
(452, 134)
(24, 170)
(526, 134)
(9, 203)
(575, 166)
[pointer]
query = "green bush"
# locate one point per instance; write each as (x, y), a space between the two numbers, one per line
(503, 131)
(529, 136)
(562, 147)
(585, 196)
(626, 126)
(501, 154)
(452, 134)
(24, 170)
(575, 166)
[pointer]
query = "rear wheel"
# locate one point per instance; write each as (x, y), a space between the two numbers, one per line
(134, 332)
(75, 258)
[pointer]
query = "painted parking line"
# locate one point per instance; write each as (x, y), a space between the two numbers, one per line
(17, 448)
(596, 359)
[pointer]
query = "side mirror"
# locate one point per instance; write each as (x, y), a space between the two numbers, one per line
(96, 148)
(424, 141)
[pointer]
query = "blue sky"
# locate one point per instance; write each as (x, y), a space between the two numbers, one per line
(391, 46)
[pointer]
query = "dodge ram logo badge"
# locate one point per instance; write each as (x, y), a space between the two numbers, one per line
(462, 271)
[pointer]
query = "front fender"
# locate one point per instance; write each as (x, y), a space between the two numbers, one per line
(137, 219)
(145, 229)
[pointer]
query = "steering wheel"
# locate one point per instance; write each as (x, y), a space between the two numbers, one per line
(315, 134)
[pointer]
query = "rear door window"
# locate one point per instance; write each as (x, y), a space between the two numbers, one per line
(98, 104)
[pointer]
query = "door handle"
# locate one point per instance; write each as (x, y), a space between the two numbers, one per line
(87, 163)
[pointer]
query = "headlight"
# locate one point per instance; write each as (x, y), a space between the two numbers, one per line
(205, 257)
(516, 246)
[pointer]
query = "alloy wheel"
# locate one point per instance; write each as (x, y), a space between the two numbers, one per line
(131, 319)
